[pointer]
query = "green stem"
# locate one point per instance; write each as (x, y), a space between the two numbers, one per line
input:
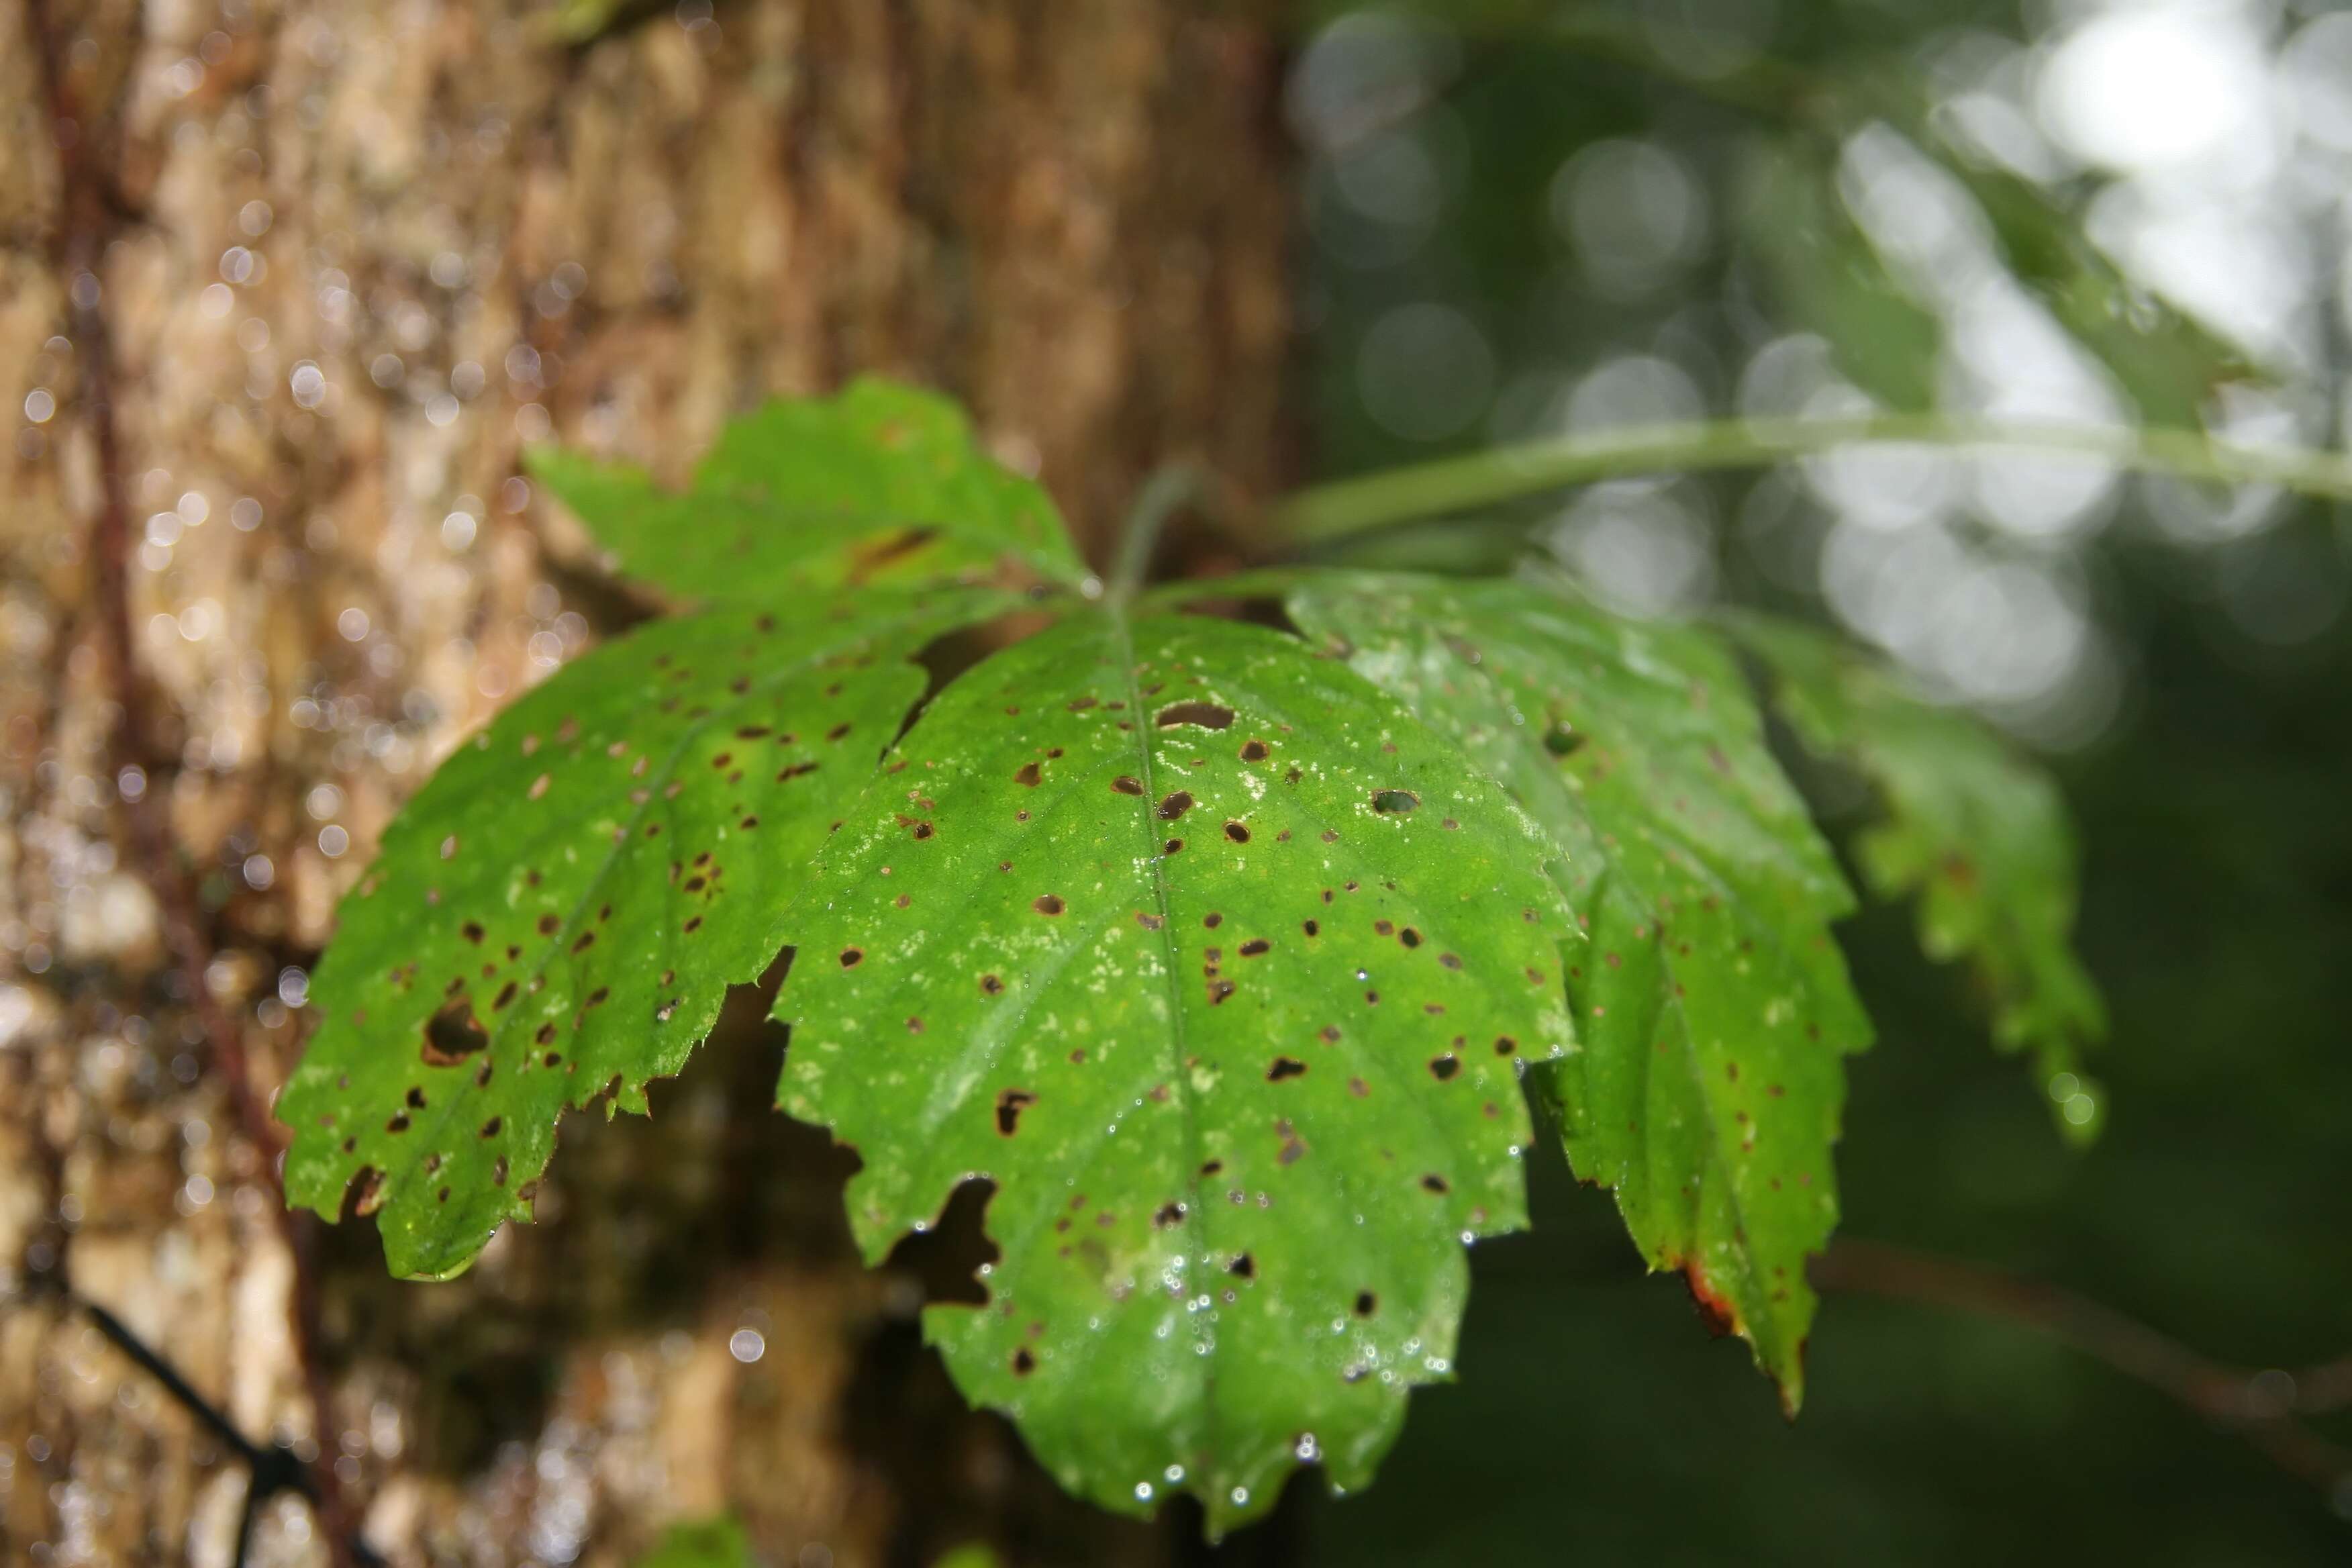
(1167, 491)
(1510, 473)
(1260, 583)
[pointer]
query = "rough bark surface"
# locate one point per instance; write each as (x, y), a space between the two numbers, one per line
(342, 258)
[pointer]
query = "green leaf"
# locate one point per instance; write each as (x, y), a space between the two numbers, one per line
(1979, 837)
(1222, 968)
(2166, 361)
(883, 483)
(1829, 278)
(1712, 1001)
(560, 909)
(701, 1543)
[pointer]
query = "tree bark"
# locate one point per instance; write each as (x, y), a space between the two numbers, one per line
(284, 288)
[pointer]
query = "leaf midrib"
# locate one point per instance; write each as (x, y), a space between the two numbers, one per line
(1122, 636)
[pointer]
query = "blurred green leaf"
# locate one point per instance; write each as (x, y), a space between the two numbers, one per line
(701, 1543)
(1978, 836)
(1829, 280)
(2165, 360)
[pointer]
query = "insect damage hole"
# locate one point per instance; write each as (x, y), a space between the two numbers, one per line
(1207, 715)
(363, 1195)
(1395, 802)
(1009, 1104)
(453, 1033)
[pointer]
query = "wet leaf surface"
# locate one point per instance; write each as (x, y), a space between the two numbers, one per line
(1712, 1000)
(1222, 968)
(1976, 834)
(883, 483)
(560, 910)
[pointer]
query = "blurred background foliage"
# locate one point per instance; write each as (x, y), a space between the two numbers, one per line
(1526, 220)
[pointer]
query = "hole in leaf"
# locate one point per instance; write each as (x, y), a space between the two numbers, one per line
(1254, 750)
(1009, 1104)
(946, 1259)
(1174, 806)
(1243, 1268)
(851, 957)
(1048, 904)
(1207, 715)
(1125, 785)
(1023, 1363)
(1366, 1303)
(363, 1194)
(1029, 774)
(453, 1033)
(1562, 742)
(1443, 1068)
(1395, 802)
(1238, 832)
(1285, 1067)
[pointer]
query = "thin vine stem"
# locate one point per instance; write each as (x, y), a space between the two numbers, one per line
(1452, 485)
(1167, 491)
